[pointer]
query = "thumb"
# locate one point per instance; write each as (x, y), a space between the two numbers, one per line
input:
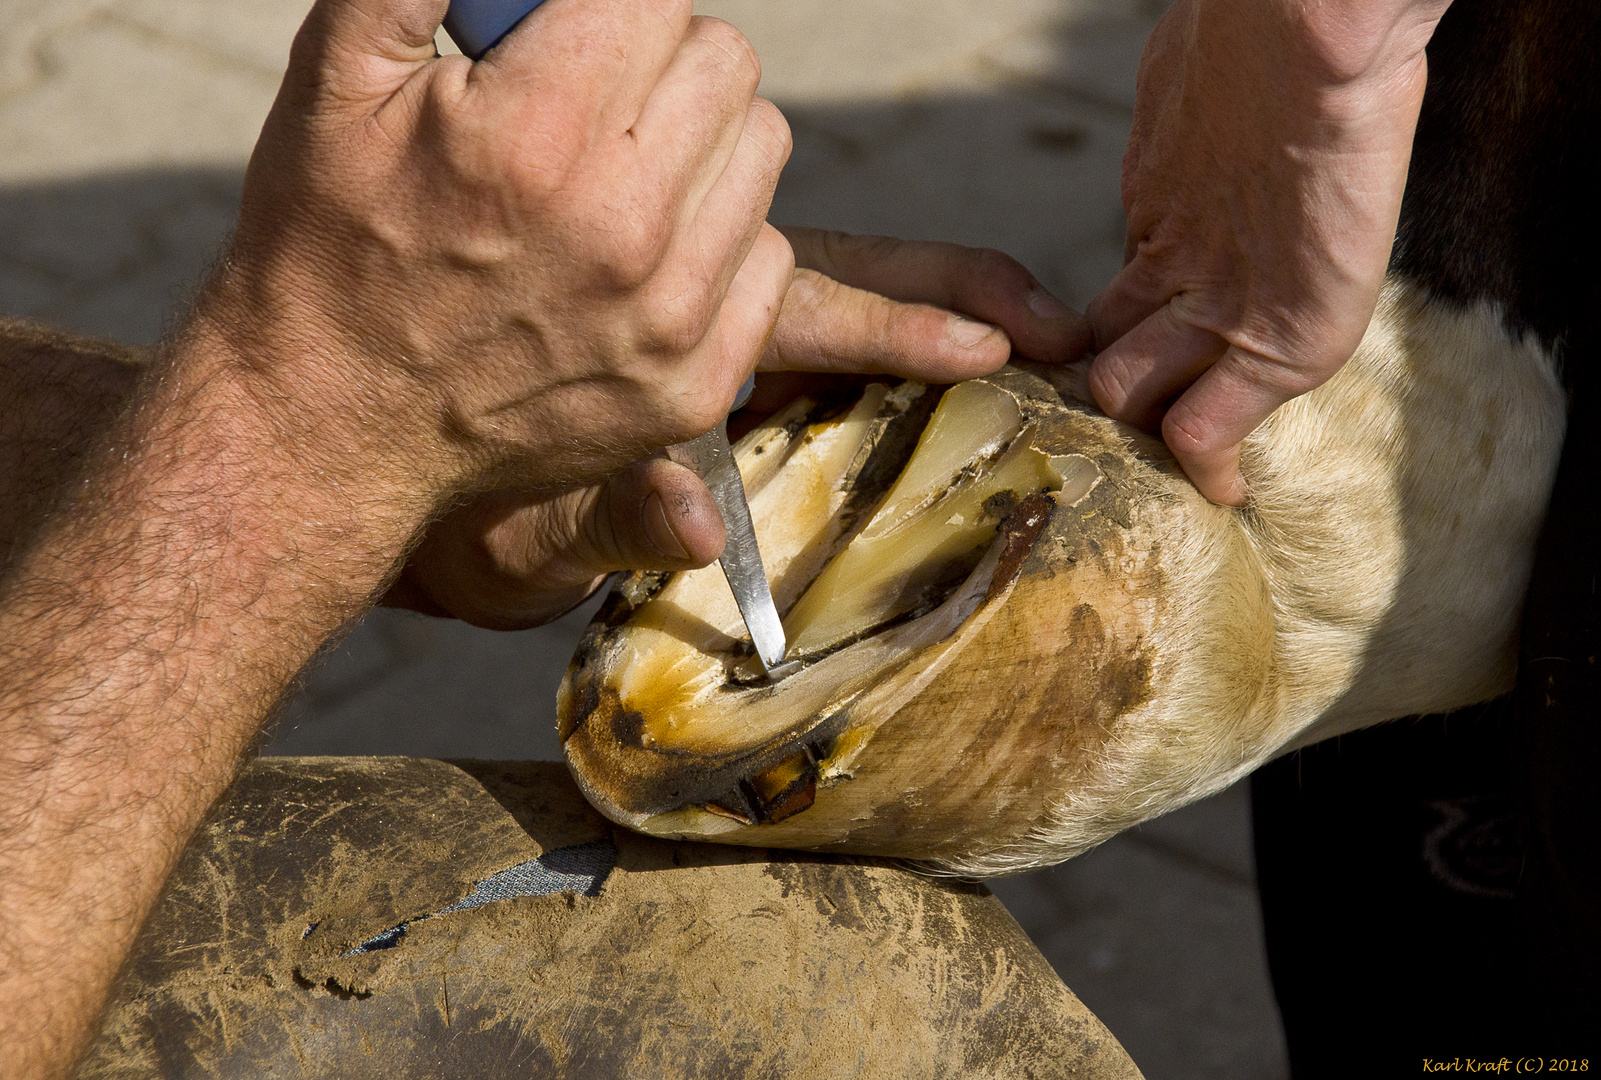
(654, 515)
(514, 559)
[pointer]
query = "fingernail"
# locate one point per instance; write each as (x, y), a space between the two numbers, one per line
(1047, 306)
(660, 530)
(969, 334)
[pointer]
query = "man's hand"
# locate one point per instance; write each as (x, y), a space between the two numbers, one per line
(1262, 182)
(543, 265)
(874, 305)
(859, 305)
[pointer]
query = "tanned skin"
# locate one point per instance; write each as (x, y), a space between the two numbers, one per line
(143, 635)
(1263, 184)
(169, 569)
(61, 394)
(184, 528)
(520, 277)
(479, 295)
(445, 275)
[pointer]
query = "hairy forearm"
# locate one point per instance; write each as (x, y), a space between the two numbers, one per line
(145, 634)
(60, 395)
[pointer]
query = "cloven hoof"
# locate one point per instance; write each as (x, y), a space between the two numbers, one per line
(1021, 629)
(960, 583)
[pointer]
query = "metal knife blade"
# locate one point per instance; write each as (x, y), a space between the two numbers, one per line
(713, 460)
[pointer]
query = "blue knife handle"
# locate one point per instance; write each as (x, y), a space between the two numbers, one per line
(477, 25)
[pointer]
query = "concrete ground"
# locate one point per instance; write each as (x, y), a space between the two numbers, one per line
(124, 128)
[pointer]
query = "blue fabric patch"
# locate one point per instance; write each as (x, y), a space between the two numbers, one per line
(578, 868)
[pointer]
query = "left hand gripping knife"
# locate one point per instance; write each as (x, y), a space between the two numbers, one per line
(475, 26)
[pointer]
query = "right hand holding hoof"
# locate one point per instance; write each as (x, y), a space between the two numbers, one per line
(540, 266)
(1262, 185)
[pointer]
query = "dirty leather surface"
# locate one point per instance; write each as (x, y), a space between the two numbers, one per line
(691, 961)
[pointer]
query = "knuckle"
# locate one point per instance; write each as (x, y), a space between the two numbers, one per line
(693, 413)
(843, 250)
(539, 155)
(775, 246)
(913, 328)
(990, 265)
(918, 339)
(597, 542)
(743, 68)
(870, 248)
(1156, 255)
(811, 294)
(1108, 384)
(766, 125)
(676, 322)
(1270, 376)
(1187, 434)
(629, 253)
(703, 414)
(885, 327)
(633, 261)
